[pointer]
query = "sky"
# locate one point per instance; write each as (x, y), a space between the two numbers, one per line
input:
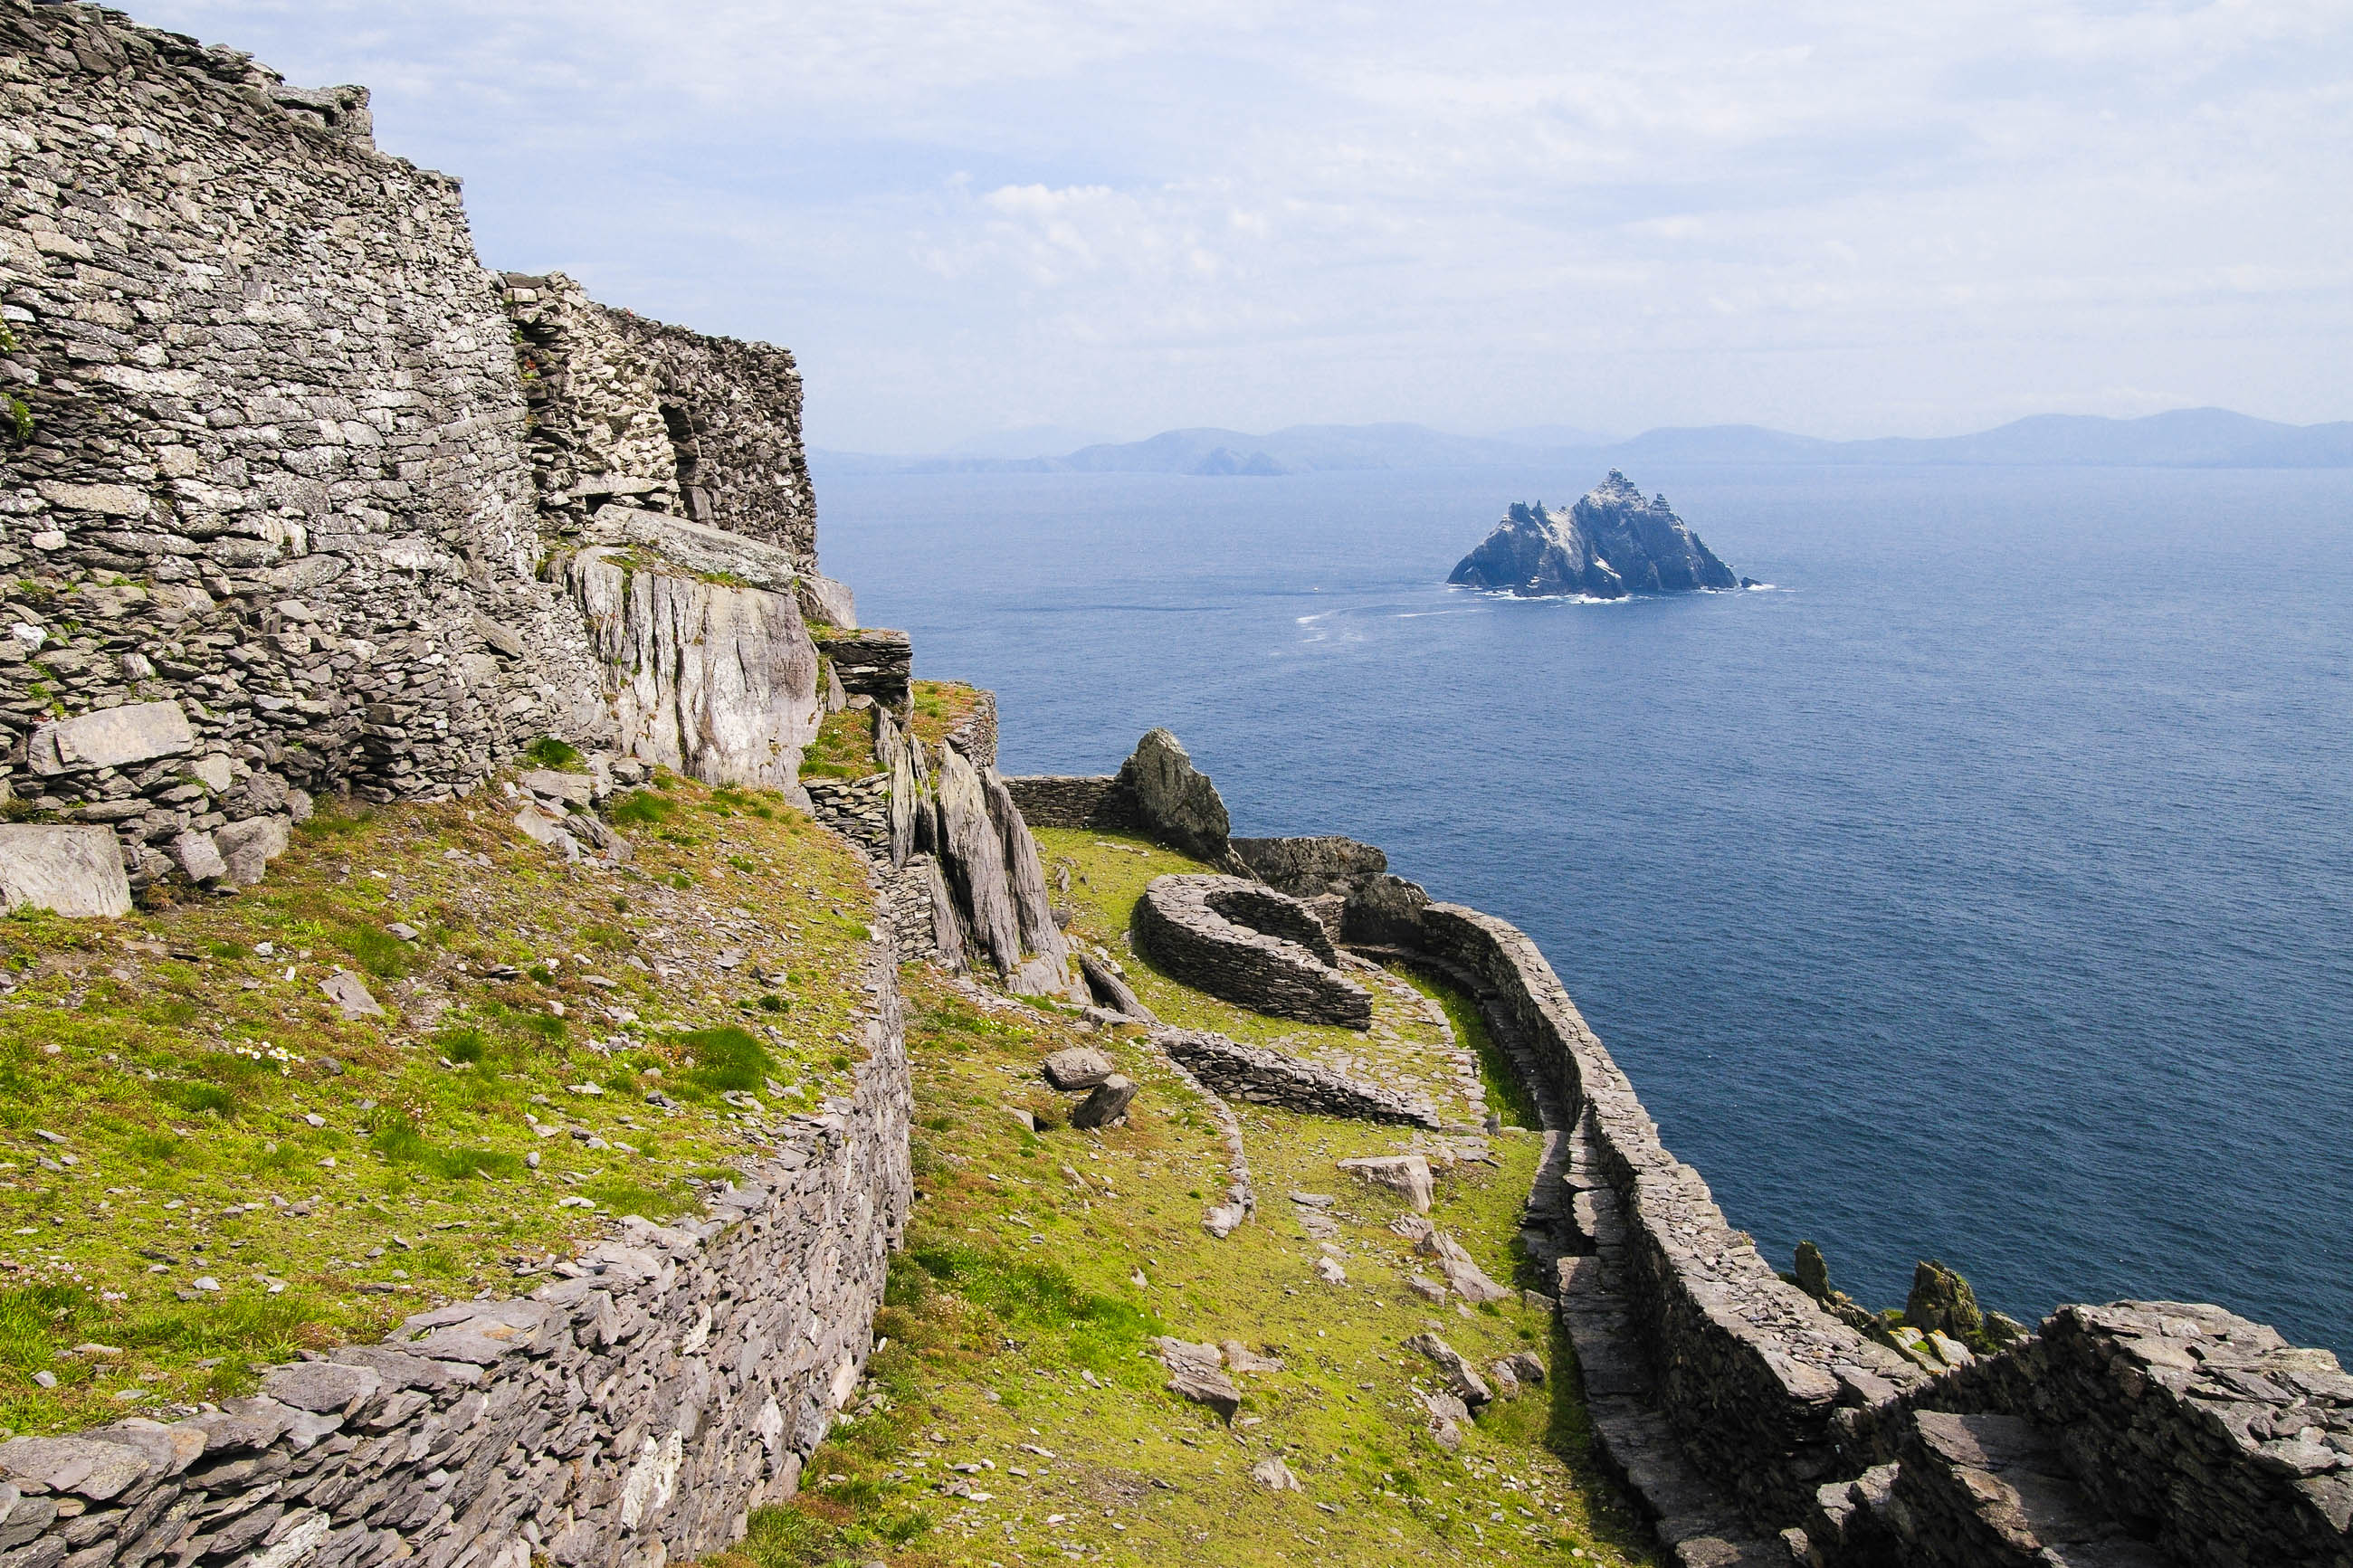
(1844, 218)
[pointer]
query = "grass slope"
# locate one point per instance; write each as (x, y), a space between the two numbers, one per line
(1010, 1415)
(204, 1165)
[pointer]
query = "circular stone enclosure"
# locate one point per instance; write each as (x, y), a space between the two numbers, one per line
(1246, 944)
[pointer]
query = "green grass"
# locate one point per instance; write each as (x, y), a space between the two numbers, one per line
(550, 752)
(939, 707)
(1018, 1316)
(181, 1064)
(844, 747)
(1505, 1093)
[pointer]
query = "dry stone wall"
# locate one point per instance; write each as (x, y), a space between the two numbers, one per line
(1747, 1371)
(1058, 800)
(623, 408)
(294, 457)
(630, 1412)
(1249, 945)
(2181, 1424)
(274, 474)
(1263, 1076)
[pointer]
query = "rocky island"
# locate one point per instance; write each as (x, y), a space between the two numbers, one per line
(1611, 543)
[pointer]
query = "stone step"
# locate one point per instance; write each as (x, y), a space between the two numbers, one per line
(1970, 1492)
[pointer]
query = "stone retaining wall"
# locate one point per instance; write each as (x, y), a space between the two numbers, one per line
(872, 662)
(976, 736)
(1748, 1372)
(632, 1413)
(1265, 1076)
(1250, 945)
(1061, 800)
(2190, 1425)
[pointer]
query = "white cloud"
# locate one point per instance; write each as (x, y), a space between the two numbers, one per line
(1838, 217)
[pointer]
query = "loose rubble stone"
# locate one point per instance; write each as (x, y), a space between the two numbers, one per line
(247, 848)
(1196, 1373)
(1463, 1274)
(1406, 1174)
(1077, 1067)
(199, 857)
(1274, 1475)
(1112, 992)
(1106, 1105)
(1461, 1377)
(350, 992)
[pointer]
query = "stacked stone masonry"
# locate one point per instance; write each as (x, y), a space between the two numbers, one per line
(1056, 800)
(294, 457)
(629, 1414)
(1262, 1076)
(1250, 945)
(275, 472)
(2180, 1424)
(624, 409)
(876, 663)
(975, 735)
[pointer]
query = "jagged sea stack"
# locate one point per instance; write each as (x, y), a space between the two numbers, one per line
(1612, 543)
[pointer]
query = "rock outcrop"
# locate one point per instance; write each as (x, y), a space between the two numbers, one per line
(714, 681)
(1612, 543)
(1175, 801)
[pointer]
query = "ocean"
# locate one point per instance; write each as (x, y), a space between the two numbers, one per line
(1982, 891)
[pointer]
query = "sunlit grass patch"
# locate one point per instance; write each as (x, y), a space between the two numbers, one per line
(1041, 1266)
(221, 1120)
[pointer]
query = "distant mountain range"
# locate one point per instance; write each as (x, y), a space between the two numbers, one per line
(2185, 438)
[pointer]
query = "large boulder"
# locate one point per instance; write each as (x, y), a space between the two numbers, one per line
(1176, 801)
(68, 870)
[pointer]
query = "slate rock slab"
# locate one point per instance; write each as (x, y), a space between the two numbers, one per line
(247, 847)
(1079, 1067)
(84, 1466)
(1197, 1373)
(1406, 1174)
(111, 738)
(1106, 1105)
(1459, 1374)
(350, 992)
(69, 870)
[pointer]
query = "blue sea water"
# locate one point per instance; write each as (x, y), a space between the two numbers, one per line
(1983, 892)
